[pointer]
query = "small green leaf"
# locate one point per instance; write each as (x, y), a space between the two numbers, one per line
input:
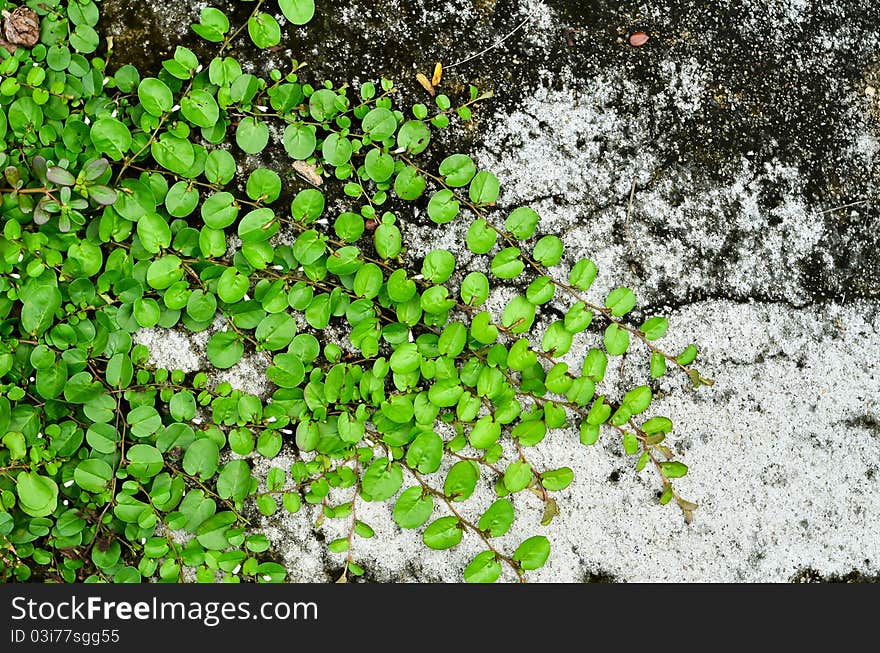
(621, 301)
(484, 188)
(673, 469)
(484, 568)
(412, 509)
(497, 519)
(518, 476)
(443, 533)
(616, 339)
(533, 552)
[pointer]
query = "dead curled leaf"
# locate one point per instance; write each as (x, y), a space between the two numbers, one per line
(426, 83)
(21, 26)
(438, 74)
(308, 172)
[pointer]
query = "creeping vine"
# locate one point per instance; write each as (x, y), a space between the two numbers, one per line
(128, 203)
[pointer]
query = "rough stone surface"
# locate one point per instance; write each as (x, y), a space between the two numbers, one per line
(747, 137)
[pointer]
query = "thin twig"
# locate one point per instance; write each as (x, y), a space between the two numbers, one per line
(629, 208)
(494, 45)
(845, 206)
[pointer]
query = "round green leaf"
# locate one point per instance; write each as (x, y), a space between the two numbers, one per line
(202, 458)
(412, 508)
(484, 188)
(155, 96)
(93, 475)
(484, 568)
(497, 519)
(37, 495)
(379, 124)
(443, 207)
(224, 349)
(443, 533)
(413, 136)
(298, 12)
(252, 135)
(382, 479)
(458, 170)
(461, 481)
(110, 137)
(533, 552)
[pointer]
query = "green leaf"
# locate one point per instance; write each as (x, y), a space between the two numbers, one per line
(264, 30)
(232, 286)
(557, 340)
(425, 453)
(37, 495)
(687, 356)
(309, 247)
(299, 140)
(517, 476)
(519, 315)
(224, 349)
(38, 309)
(145, 461)
(616, 339)
(529, 433)
(212, 533)
(475, 288)
(200, 108)
(484, 188)
(484, 568)
(548, 251)
(654, 328)
(557, 479)
(532, 553)
(154, 232)
(379, 165)
(308, 205)
(507, 263)
(382, 479)
(413, 136)
(443, 533)
(621, 301)
(93, 475)
(522, 222)
(379, 124)
(457, 170)
(202, 458)
(220, 167)
(298, 12)
(234, 480)
(497, 519)
(387, 240)
(485, 433)
(657, 425)
(409, 184)
(638, 399)
(582, 274)
(155, 96)
(412, 508)
(336, 150)
(252, 135)
(258, 225)
(673, 469)
(110, 137)
(443, 206)
(461, 481)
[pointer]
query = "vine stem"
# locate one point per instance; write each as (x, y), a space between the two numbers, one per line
(468, 524)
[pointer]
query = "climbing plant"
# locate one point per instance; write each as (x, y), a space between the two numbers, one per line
(129, 202)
